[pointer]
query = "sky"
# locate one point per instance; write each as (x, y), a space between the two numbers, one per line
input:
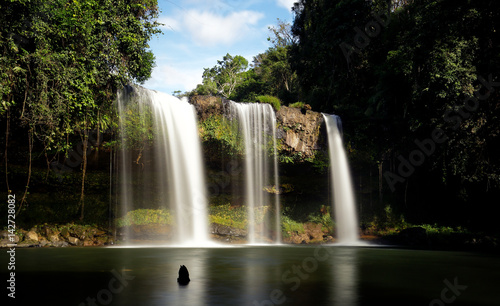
(197, 33)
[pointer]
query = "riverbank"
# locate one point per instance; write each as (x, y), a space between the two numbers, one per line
(71, 235)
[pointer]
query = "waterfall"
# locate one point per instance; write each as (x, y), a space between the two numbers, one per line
(160, 161)
(343, 195)
(257, 124)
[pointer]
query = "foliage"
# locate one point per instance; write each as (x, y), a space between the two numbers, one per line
(322, 71)
(324, 218)
(223, 77)
(68, 59)
(63, 63)
(137, 126)
(286, 158)
(144, 217)
(284, 188)
(274, 101)
(406, 79)
(432, 229)
(320, 161)
(53, 199)
(454, 59)
(225, 214)
(288, 226)
(270, 74)
(297, 105)
(217, 128)
(282, 35)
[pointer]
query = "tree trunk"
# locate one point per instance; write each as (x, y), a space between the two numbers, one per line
(30, 149)
(7, 131)
(85, 142)
(48, 161)
(380, 179)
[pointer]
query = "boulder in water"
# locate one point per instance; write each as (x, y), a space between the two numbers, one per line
(183, 278)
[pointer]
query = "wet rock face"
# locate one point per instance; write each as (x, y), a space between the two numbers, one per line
(224, 230)
(300, 131)
(207, 106)
(147, 232)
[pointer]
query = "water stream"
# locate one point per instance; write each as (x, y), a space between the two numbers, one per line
(257, 124)
(161, 164)
(344, 207)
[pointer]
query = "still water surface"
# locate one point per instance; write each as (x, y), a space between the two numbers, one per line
(255, 275)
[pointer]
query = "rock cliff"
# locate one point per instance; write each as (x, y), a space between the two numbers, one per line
(301, 132)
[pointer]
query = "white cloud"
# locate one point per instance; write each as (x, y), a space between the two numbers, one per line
(168, 78)
(210, 29)
(169, 23)
(288, 4)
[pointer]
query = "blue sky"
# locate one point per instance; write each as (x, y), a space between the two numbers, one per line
(197, 33)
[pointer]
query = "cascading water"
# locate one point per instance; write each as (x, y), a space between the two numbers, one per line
(343, 196)
(257, 124)
(160, 161)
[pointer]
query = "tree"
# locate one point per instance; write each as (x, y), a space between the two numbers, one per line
(271, 73)
(224, 76)
(283, 35)
(65, 62)
(399, 71)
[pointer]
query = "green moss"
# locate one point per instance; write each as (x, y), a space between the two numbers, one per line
(274, 101)
(297, 105)
(145, 216)
(225, 214)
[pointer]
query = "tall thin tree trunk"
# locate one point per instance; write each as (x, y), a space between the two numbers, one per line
(48, 161)
(380, 179)
(7, 131)
(30, 149)
(85, 144)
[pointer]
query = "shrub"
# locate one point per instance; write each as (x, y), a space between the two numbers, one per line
(226, 215)
(224, 132)
(297, 105)
(324, 218)
(234, 216)
(288, 226)
(145, 216)
(274, 101)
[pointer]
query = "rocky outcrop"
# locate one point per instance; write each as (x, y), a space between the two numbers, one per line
(207, 106)
(57, 236)
(224, 230)
(152, 231)
(301, 131)
(313, 233)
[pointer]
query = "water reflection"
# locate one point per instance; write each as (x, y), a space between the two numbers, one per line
(345, 276)
(155, 272)
(284, 275)
(195, 292)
